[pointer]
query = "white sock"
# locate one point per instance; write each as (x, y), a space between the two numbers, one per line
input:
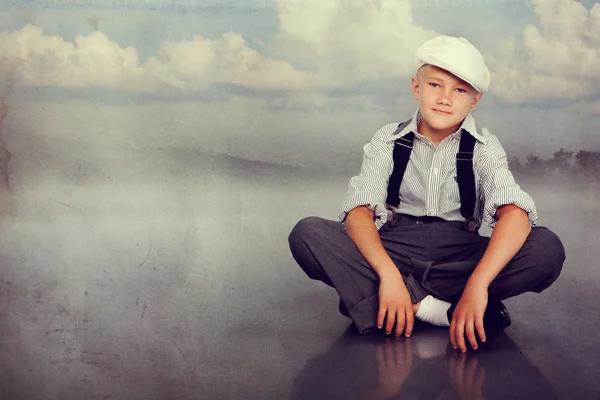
(433, 311)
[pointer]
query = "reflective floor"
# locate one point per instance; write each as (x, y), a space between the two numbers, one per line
(296, 348)
(150, 303)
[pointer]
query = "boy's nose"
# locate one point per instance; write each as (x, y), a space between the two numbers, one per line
(444, 99)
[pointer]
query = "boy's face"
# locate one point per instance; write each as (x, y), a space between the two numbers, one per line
(444, 99)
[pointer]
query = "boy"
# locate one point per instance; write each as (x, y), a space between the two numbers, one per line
(406, 244)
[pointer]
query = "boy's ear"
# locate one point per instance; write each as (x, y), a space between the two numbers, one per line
(415, 86)
(476, 100)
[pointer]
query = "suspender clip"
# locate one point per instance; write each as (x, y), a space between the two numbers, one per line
(464, 156)
(472, 224)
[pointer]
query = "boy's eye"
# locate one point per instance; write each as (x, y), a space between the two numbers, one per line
(433, 84)
(460, 90)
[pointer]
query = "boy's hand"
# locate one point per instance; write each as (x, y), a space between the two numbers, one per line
(468, 317)
(395, 302)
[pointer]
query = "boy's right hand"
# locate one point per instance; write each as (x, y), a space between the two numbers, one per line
(395, 302)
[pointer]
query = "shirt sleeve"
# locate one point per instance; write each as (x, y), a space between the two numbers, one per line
(498, 184)
(370, 186)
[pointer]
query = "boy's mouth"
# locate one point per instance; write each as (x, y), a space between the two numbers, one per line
(441, 112)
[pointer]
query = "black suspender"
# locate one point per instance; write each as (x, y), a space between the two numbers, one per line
(464, 171)
(466, 177)
(402, 150)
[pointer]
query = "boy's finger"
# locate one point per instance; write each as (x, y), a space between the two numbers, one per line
(381, 317)
(391, 318)
(470, 331)
(410, 321)
(399, 324)
(460, 334)
(480, 329)
(453, 333)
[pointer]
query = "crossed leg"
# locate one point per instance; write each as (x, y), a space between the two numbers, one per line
(434, 259)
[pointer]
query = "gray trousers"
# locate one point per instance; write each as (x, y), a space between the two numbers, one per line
(435, 257)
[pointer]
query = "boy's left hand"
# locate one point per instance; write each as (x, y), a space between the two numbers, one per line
(468, 317)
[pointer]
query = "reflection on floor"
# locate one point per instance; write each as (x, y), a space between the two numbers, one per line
(422, 367)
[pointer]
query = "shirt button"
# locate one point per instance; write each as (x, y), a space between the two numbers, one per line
(431, 213)
(435, 170)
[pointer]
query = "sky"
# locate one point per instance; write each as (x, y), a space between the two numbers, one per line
(298, 82)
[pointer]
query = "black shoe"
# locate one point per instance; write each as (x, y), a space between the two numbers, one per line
(495, 318)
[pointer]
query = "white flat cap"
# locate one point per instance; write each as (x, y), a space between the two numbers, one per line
(457, 56)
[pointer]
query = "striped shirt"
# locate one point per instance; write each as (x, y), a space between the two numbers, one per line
(430, 186)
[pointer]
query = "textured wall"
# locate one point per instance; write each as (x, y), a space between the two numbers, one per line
(147, 193)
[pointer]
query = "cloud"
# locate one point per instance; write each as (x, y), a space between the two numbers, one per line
(322, 44)
(94, 60)
(347, 41)
(195, 63)
(556, 61)
(185, 5)
(48, 60)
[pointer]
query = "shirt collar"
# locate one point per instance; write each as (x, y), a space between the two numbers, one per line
(468, 124)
